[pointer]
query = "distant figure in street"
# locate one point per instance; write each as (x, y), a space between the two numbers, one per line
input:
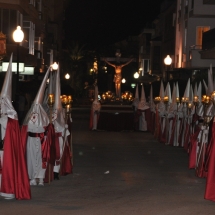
(21, 102)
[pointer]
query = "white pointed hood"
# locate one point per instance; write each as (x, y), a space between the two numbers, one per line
(6, 93)
(136, 98)
(187, 90)
(199, 92)
(37, 116)
(174, 94)
(57, 116)
(161, 105)
(161, 94)
(210, 81)
(195, 89)
(205, 86)
(191, 94)
(96, 105)
(168, 92)
(173, 105)
(142, 104)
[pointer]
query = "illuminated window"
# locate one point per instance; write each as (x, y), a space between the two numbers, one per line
(199, 31)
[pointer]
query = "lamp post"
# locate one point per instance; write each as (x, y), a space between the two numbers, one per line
(167, 61)
(18, 37)
(54, 66)
(67, 76)
(123, 80)
(136, 75)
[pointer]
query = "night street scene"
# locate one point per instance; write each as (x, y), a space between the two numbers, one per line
(107, 107)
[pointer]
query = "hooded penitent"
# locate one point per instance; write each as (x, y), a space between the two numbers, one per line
(6, 94)
(14, 181)
(142, 108)
(200, 106)
(143, 105)
(173, 105)
(161, 106)
(61, 130)
(35, 125)
(95, 109)
(136, 98)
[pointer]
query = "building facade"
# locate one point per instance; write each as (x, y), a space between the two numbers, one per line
(41, 22)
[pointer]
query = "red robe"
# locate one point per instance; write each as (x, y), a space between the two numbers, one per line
(66, 163)
(210, 167)
(192, 149)
(14, 172)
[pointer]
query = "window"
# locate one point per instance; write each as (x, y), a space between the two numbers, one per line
(199, 31)
(192, 4)
(9, 19)
(185, 37)
(32, 2)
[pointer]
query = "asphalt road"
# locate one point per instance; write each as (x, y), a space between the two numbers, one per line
(118, 173)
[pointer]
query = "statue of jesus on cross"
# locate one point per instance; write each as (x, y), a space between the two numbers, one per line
(118, 75)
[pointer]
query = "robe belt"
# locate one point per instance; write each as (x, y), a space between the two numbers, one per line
(40, 135)
(31, 134)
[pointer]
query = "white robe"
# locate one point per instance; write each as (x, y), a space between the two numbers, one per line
(3, 122)
(34, 154)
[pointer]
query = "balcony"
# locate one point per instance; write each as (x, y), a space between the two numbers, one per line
(208, 1)
(195, 60)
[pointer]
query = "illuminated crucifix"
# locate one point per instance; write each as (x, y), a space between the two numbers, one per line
(118, 71)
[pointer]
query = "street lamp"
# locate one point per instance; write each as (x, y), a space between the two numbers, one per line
(136, 75)
(123, 80)
(18, 37)
(54, 66)
(167, 61)
(67, 76)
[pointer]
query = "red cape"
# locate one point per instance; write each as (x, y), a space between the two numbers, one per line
(14, 172)
(210, 167)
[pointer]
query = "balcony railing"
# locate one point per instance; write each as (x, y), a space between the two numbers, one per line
(196, 47)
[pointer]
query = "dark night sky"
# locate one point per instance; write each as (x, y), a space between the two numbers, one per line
(102, 22)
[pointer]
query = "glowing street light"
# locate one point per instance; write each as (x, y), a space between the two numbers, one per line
(67, 76)
(54, 66)
(123, 80)
(168, 60)
(18, 37)
(136, 75)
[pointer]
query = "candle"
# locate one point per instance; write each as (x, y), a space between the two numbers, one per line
(189, 105)
(166, 98)
(207, 100)
(186, 99)
(64, 100)
(183, 99)
(196, 99)
(177, 100)
(51, 99)
(69, 99)
(204, 98)
(213, 95)
(67, 108)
